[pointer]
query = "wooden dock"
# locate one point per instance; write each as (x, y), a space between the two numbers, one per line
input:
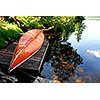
(31, 65)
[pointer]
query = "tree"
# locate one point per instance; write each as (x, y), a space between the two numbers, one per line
(64, 26)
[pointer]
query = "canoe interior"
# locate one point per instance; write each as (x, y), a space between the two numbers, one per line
(27, 46)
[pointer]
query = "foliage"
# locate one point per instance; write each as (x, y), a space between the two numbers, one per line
(64, 62)
(29, 21)
(2, 42)
(8, 32)
(64, 26)
(64, 59)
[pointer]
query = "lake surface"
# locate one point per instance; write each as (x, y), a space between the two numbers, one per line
(89, 49)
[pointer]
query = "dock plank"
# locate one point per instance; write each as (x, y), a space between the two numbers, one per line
(34, 63)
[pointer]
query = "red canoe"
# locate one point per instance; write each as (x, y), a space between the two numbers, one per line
(28, 45)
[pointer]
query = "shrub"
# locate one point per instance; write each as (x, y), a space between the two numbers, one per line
(8, 32)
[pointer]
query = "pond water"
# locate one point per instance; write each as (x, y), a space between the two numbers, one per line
(89, 49)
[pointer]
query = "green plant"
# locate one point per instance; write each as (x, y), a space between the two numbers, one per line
(8, 32)
(64, 26)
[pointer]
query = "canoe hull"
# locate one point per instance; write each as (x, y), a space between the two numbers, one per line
(28, 45)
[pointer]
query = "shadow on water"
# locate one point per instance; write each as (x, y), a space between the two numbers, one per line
(64, 65)
(63, 60)
(71, 60)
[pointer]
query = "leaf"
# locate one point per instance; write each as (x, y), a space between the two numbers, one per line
(78, 81)
(65, 64)
(56, 81)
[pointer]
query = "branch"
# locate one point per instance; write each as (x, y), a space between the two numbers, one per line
(48, 28)
(43, 29)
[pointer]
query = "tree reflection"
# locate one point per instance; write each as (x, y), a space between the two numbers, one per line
(64, 59)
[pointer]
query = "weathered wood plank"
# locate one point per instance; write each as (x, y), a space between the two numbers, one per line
(34, 63)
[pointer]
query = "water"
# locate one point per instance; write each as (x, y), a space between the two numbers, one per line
(89, 49)
(90, 41)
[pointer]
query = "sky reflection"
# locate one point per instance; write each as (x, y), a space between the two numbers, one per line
(89, 47)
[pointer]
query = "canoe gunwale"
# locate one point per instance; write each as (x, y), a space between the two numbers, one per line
(11, 69)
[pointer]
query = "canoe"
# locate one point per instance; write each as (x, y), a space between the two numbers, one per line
(28, 45)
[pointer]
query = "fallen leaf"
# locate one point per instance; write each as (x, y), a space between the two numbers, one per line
(65, 64)
(56, 81)
(78, 81)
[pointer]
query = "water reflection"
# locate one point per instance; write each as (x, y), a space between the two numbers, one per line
(89, 48)
(96, 53)
(64, 60)
(78, 33)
